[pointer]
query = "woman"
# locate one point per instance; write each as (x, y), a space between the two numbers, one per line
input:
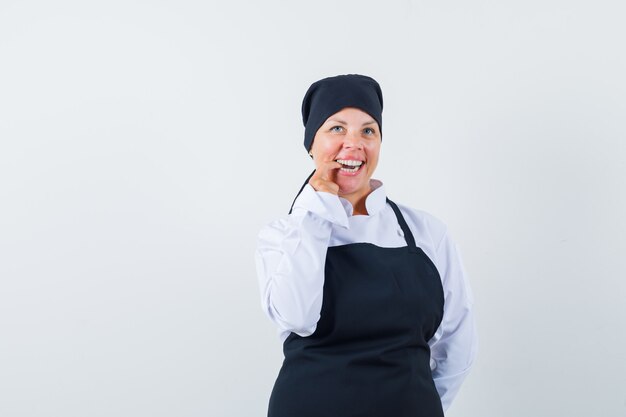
(370, 297)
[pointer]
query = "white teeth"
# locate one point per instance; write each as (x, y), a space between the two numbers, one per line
(350, 162)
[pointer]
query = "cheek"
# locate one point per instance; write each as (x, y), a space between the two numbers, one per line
(328, 151)
(331, 146)
(372, 153)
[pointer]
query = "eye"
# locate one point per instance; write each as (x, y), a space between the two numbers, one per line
(340, 127)
(370, 129)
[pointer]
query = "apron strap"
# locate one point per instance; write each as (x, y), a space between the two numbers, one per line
(408, 236)
(301, 188)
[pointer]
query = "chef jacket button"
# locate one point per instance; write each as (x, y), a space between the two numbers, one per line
(433, 364)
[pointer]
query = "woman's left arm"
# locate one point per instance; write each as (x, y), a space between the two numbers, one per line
(455, 344)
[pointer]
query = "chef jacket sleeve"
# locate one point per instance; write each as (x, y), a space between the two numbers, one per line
(455, 344)
(290, 260)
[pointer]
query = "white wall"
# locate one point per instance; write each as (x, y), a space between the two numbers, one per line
(143, 144)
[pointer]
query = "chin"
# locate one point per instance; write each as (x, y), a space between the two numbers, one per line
(351, 188)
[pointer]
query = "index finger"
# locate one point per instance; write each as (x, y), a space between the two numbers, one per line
(327, 167)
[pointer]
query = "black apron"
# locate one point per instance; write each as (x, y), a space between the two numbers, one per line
(369, 355)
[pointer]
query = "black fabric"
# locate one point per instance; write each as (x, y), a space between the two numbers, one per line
(408, 236)
(369, 354)
(327, 96)
(301, 188)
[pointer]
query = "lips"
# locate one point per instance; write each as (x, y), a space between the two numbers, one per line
(350, 166)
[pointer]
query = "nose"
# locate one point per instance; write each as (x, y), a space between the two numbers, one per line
(353, 140)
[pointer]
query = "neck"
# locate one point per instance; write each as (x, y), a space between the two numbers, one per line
(358, 202)
(359, 208)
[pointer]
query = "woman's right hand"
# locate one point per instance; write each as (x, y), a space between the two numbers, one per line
(322, 180)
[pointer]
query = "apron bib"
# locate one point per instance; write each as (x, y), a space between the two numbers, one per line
(369, 355)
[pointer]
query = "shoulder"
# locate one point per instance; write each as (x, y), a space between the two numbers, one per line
(296, 225)
(424, 224)
(274, 229)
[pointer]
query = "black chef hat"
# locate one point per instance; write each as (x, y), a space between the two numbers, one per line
(329, 95)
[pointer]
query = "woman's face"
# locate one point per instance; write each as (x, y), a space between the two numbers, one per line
(351, 136)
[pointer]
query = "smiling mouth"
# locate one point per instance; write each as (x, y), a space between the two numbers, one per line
(349, 165)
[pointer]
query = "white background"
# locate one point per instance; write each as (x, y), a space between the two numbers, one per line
(144, 144)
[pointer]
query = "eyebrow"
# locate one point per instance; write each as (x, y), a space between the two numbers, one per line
(342, 122)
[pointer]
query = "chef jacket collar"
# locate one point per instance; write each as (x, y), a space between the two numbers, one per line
(374, 202)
